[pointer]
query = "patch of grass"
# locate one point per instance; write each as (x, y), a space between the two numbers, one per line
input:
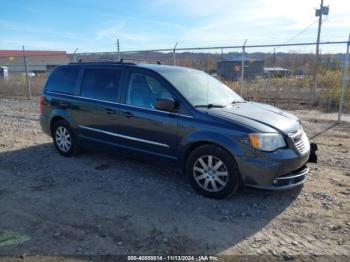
(297, 92)
(9, 238)
(16, 86)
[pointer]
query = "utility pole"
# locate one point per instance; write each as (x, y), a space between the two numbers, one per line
(117, 53)
(26, 72)
(118, 50)
(174, 54)
(324, 10)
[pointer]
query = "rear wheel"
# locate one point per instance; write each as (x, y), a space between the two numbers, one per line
(64, 139)
(212, 171)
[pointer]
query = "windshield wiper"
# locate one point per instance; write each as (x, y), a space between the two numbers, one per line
(237, 102)
(210, 106)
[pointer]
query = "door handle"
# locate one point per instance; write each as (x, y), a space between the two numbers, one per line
(110, 111)
(127, 114)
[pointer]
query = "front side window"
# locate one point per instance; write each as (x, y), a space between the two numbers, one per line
(143, 90)
(101, 84)
(63, 80)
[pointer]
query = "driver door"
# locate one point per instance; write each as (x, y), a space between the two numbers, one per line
(142, 126)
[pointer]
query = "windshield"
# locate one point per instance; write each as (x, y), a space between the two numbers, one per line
(201, 89)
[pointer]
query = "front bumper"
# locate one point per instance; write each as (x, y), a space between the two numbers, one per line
(279, 170)
(287, 181)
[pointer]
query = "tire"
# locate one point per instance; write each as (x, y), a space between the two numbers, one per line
(212, 171)
(64, 139)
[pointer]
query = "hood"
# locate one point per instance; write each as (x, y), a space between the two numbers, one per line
(259, 116)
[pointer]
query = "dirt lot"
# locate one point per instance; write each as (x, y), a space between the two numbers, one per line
(96, 204)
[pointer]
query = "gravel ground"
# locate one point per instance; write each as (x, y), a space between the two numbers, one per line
(98, 203)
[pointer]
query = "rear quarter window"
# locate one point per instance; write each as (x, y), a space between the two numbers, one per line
(63, 80)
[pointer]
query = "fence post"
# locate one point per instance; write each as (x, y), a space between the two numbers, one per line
(345, 78)
(27, 77)
(242, 69)
(75, 55)
(174, 55)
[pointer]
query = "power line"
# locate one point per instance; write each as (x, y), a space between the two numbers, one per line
(298, 34)
(302, 31)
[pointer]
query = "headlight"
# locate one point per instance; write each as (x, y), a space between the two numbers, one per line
(267, 141)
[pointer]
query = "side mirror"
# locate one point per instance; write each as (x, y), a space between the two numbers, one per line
(166, 104)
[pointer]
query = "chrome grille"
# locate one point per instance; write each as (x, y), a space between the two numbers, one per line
(301, 142)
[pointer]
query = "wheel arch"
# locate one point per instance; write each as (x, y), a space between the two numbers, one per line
(58, 115)
(223, 149)
(191, 143)
(53, 121)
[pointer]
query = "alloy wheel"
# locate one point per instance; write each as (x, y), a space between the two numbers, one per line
(210, 173)
(63, 139)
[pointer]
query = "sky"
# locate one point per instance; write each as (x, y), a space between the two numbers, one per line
(94, 25)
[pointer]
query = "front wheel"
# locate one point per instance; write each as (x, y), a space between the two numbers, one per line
(212, 171)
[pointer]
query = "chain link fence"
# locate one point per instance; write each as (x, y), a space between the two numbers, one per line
(290, 76)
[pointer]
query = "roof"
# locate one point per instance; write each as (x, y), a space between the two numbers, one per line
(165, 68)
(32, 53)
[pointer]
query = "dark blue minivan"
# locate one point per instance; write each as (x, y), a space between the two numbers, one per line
(184, 115)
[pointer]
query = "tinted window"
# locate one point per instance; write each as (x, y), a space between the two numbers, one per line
(143, 90)
(101, 84)
(63, 80)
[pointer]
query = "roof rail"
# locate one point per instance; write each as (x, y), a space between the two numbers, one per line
(147, 61)
(121, 62)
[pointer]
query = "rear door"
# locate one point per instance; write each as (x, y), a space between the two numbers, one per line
(97, 115)
(141, 125)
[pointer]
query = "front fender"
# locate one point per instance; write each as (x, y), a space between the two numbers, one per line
(233, 144)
